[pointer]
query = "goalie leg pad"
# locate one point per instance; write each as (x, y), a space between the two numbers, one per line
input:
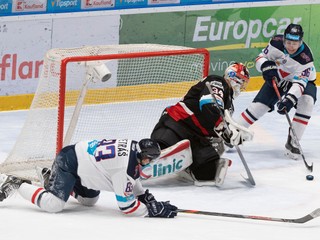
(172, 160)
(220, 175)
(222, 171)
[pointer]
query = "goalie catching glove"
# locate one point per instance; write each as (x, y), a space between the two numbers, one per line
(233, 133)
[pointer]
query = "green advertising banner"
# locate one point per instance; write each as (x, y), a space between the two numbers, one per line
(160, 28)
(229, 34)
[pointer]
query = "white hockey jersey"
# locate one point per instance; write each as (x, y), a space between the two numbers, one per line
(111, 165)
(297, 68)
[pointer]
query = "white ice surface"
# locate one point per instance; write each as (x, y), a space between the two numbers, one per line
(281, 191)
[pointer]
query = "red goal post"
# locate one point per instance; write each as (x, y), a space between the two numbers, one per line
(72, 104)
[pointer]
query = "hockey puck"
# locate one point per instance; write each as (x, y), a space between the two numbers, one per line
(309, 177)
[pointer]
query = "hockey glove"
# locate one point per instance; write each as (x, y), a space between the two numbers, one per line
(269, 71)
(236, 136)
(286, 103)
(146, 198)
(161, 209)
(231, 135)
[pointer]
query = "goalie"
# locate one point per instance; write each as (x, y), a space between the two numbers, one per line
(197, 118)
(86, 168)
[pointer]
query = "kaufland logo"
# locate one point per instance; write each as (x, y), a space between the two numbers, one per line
(29, 6)
(20, 6)
(96, 3)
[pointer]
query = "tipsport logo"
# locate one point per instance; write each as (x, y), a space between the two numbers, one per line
(64, 3)
(4, 6)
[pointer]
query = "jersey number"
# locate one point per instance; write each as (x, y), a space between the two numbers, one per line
(105, 150)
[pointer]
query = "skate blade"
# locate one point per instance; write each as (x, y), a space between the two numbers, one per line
(291, 155)
(204, 183)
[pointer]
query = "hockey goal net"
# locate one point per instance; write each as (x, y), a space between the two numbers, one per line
(73, 103)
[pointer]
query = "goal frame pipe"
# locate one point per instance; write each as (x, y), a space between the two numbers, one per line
(63, 75)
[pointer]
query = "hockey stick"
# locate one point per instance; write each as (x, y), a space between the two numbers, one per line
(294, 135)
(304, 219)
(250, 178)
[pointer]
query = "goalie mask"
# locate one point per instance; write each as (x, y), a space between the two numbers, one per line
(147, 148)
(237, 75)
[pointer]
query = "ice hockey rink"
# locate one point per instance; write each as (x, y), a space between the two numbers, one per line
(281, 191)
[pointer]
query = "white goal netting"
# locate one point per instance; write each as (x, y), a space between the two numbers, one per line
(72, 103)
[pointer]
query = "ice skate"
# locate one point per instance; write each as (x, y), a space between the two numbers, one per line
(292, 150)
(43, 175)
(188, 175)
(9, 184)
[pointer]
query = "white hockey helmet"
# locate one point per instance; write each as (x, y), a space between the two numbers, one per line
(238, 76)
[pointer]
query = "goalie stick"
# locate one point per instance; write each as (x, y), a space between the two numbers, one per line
(294, 135)
(250, 178)
(304, 219)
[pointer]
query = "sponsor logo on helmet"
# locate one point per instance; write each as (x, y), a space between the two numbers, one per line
(292, 37)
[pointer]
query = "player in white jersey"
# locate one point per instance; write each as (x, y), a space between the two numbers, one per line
(88, 167)
(289, 60)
